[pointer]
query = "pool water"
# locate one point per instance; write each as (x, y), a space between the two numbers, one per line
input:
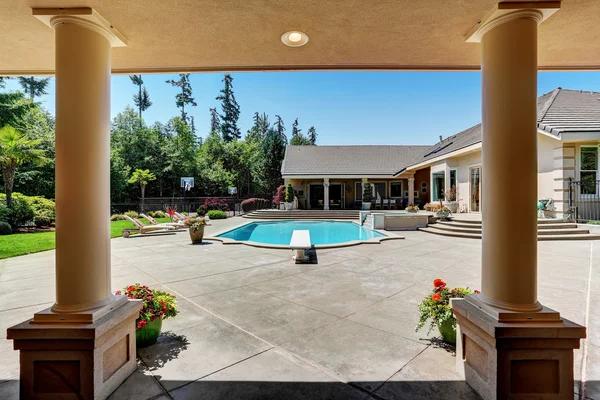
(321, 232)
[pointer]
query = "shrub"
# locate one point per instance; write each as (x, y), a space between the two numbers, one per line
(216, 214)
(254, 204)
(116, 217)
(22, 212)
(289, 193)
(214, 203)
(43, 207)
(132, 214)
(159, 214)
(201, 210)
(5, 228)
(5, 214)
(279, 196)
(42, 220)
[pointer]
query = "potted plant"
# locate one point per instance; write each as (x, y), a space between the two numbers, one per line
(443, 212)
(412, 208)
(451, 201)
(367, 196)
(436, 309)
(289, 197)
(196, 228)
(156, 306)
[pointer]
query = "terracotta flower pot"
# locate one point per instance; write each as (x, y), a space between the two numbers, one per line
(148, 335)
(447, 331)
(197, 235)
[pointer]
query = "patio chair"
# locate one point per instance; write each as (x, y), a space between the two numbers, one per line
(178, 224)
(143, 229)
(386, 204)
(392, 203)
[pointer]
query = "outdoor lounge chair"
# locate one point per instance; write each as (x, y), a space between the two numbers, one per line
(178, 224)
(143, 229)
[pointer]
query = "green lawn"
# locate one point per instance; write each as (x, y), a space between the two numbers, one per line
(26, 243)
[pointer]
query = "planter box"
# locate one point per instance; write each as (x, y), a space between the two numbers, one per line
(452, 205)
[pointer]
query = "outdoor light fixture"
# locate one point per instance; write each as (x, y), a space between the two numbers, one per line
(294, 38)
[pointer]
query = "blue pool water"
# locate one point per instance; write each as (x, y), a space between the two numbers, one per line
(321, 232)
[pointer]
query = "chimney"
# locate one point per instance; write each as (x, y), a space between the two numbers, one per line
(441, 139)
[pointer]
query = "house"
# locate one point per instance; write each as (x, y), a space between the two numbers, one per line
(568, 127)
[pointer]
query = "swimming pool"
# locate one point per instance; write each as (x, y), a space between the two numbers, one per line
(321, 232)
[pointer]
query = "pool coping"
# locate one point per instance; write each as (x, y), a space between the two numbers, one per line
(228, 241)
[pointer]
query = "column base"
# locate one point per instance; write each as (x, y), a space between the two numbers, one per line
(78, 361)
(515, 360)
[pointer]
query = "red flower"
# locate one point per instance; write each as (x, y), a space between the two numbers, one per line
(438, 282)
(141, 323)
(477, 291)
(436, 297)
(118, 292)
(130, 288)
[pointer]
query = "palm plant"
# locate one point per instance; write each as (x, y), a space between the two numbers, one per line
(15, 150)
(34, 87)
(142, 177)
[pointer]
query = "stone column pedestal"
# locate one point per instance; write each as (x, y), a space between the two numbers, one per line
(515, 360)
(76, 361)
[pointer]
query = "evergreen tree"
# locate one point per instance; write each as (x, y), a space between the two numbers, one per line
(231, 111)
(260, 128)
(215, 122)
(185, 97)
(300, 140)
(312, 135)
(33, 86)
(295, 130)
(280, 128)
(3, 80)
(267, 169)
(141, 99)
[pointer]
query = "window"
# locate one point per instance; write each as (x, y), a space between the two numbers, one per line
(589, 170)
(438, 179)
(380, 191)
(358, 191)
(451, 192)
(396, 189)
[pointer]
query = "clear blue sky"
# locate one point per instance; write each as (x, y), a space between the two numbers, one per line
(345, 107)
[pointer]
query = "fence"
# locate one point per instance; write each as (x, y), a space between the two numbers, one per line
(584, 200)
(187, 204)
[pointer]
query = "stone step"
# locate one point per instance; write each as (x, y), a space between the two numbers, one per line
(478, 226)
(431, 229)
(577, 236)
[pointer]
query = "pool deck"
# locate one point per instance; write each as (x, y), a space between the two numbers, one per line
(253, 325)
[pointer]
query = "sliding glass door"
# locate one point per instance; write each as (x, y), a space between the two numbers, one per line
(475, 189)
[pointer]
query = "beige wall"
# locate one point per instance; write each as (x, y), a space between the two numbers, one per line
(547, 171)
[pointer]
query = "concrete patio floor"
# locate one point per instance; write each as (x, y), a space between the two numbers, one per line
(254, 325)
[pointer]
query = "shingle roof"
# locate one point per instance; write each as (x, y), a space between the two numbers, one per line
(349, 160)
(566, 110)
(559, 111)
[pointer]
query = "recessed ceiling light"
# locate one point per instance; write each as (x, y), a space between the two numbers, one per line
(294, 38)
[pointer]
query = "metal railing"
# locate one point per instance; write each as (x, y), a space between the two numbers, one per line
(584, 200)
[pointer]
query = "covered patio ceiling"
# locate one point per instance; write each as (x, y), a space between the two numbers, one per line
(232, 35)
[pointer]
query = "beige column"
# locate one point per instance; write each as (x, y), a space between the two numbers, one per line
(83, 68)
(326, 193)
(509, 86)
(411, 191)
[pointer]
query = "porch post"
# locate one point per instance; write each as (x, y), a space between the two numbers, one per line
(503, 345)
(87, 326)
(326, 193)
(411, 190)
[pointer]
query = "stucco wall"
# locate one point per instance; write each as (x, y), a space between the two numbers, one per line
(546, 147)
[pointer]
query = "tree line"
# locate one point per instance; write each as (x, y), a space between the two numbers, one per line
(155, 156)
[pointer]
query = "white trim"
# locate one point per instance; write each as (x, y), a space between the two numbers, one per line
(550, 135)
(578, 167)
(401, 182)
